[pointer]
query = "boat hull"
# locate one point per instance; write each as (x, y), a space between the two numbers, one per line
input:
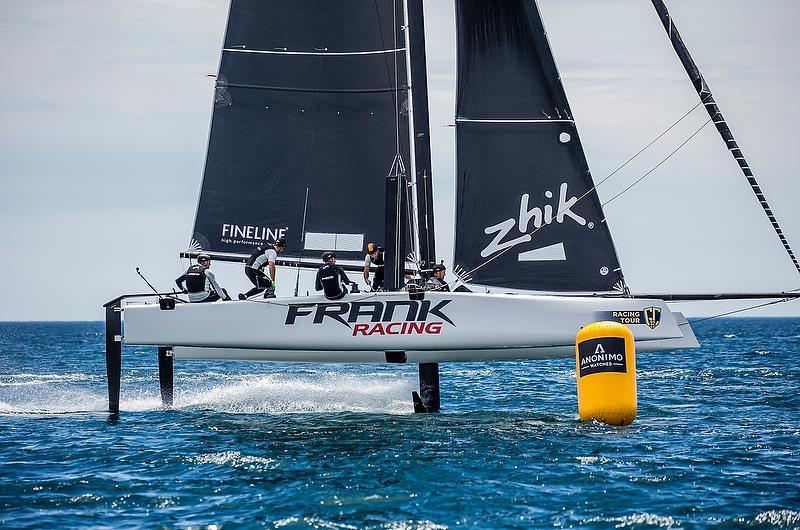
(393, 327)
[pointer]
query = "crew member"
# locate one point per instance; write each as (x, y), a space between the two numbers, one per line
(331, 278)
(200, 282)
(436, 281)
(374, 257)
(254, 269)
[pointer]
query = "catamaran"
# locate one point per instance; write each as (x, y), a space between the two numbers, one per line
(320, 135)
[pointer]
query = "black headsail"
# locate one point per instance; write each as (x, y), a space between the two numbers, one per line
(305, 114)
(521, 167)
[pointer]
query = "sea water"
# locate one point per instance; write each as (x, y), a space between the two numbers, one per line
(715, 444)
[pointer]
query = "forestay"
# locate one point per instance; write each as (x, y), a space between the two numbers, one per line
(520, 163)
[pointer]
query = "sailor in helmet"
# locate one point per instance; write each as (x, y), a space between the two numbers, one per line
(254, 269)
(331, 278)
(436, 281)
(200, 283)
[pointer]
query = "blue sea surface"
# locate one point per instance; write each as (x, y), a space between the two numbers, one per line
(716, 443)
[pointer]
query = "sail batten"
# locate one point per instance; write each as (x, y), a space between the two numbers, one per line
(486, 120)
(315, 53)
(320, 90)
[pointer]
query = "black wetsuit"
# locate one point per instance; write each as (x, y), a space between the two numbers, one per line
(332, 279)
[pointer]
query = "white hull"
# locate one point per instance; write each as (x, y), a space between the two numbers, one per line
(363, 327)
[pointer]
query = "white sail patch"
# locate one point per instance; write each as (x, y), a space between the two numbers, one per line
(536, 216)
(549, 253)
(329, 241)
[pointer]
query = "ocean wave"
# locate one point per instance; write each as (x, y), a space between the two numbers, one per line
(53, 400)
(41, 379)
(778, 518)
(236, 460)
(638, 519)
(317, 522)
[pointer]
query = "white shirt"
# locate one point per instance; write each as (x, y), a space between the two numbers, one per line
(269, 256)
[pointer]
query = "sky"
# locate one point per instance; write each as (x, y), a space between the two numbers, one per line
(106, 104)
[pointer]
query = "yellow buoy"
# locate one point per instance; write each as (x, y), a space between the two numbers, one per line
(605, 365)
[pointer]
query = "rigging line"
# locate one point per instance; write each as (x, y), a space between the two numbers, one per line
(637, 181)
(773, 302)
(302, 241)
(410, 189)
(704, 92)
(396, 80)
(604, 179)
(645, 148)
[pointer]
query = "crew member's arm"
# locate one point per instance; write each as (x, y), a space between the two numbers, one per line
(271, 256)
(366, 270)
(214, 285)
(179, 281)
(344, 277)
(318, 283)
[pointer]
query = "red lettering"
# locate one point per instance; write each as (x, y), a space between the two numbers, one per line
(416, 327)
(398, 328)
(377, 328)
(434, 328)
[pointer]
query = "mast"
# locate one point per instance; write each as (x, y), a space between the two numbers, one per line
(719, 121)
(397, 178)
(420, 129)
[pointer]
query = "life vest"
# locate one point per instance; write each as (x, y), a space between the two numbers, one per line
(378, 260)
(196, 279)
(331, 282)
(253, 257)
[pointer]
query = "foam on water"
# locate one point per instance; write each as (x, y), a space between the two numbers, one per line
(274, 394)
(284, 393)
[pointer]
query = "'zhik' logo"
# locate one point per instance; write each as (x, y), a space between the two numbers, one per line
(538, 217)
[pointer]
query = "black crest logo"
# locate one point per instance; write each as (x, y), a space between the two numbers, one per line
(652, 316)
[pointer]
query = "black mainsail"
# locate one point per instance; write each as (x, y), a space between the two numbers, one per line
(522, 220)
(310, 112)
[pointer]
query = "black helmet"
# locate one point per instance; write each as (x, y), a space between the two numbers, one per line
(203, 258)
(438, 267)
(281, 242)
(326, 256)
